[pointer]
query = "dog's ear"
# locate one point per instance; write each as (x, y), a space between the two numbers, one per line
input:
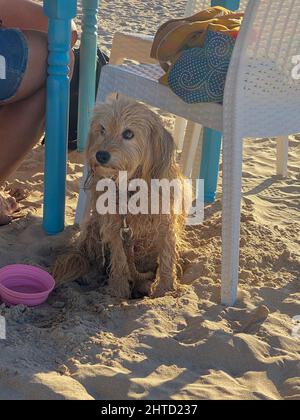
(163, 148)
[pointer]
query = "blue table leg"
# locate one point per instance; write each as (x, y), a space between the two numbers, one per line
(88, 56)
(60, 13)
(211, 152)
(212, 140)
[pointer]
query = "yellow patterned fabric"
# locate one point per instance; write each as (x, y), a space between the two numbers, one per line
(178, 35)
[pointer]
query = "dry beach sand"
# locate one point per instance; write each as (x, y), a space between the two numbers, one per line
(85, 345)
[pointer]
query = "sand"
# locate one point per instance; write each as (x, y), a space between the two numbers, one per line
(84, 344)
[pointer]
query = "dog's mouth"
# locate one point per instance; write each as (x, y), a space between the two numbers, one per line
(103, 170)
(111, 169)
(96, 164)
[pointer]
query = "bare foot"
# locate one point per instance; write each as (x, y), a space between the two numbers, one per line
(8, 206)
(174, 288)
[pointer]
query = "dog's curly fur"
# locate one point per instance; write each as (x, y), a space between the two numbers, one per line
(158, 239)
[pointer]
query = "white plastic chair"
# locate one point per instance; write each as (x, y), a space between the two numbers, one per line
(187, 134)
(138, 47)
(261, 99)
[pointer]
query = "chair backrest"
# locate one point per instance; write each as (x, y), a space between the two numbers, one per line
(194, 6)
(262, 93)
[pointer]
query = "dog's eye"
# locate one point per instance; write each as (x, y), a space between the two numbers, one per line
(128, 135)
(102, 130)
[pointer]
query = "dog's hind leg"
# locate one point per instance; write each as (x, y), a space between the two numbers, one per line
(70, 267)
(167, 278)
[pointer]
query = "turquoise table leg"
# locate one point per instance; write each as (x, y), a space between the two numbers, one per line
(212, 139)
(211, 152)
(60, 13)
(88, 55)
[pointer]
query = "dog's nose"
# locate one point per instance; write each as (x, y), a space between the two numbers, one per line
(102, 157)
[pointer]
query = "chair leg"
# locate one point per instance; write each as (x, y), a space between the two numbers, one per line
(179, 132)
(84, 201)
(190, 145)
(282, 156)
(198, 158)
(211, 151)
(232, 184)
(57, 115)
(88, 60)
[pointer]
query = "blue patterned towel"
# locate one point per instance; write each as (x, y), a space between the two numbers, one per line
(199, 74)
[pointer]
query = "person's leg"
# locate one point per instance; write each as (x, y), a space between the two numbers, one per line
(22, 125)
(22, 117)
(36, 70)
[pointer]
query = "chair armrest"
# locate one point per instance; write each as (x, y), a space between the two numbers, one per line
(131, 46)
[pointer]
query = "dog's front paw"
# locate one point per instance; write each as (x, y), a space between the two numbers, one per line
(161, 289)
(119, 288)
(69, 267)
(142, 289)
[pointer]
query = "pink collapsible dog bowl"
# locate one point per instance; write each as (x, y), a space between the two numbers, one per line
(25, 285)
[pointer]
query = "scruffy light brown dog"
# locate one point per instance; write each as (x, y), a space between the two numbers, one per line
(127, 136)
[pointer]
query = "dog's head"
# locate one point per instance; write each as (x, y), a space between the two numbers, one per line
(127, 136)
